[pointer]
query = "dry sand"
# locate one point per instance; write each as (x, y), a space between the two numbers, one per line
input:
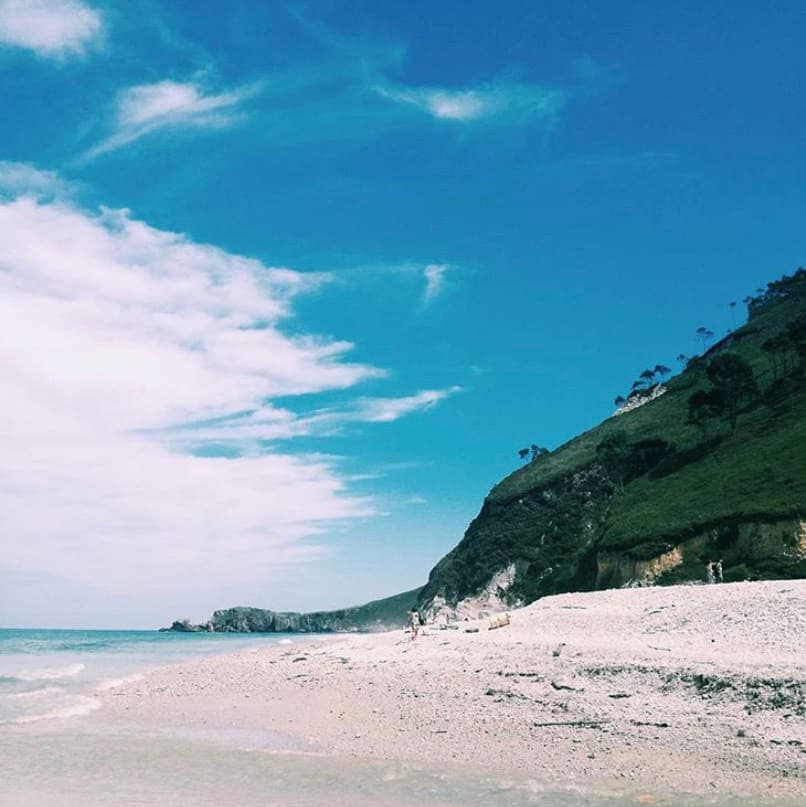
(696, 689)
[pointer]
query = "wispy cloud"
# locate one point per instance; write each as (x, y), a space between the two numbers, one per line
(434, 281)
(502, 101)
(354, 90)
(54, 29)
(266, 424)
(147, 108)
(384, 410)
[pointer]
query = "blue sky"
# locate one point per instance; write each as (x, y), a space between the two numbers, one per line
(286, 286)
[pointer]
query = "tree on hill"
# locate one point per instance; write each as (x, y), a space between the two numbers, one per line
(613, 454)
(647, 377)
(682, 358)
(785, 288)
(538, 451)
(619, 401)
(705, 336)
(796, 339)
(787, 353)
(780, 352)
(661, 371)
(733, 385)
(702, 406)
(523, 453)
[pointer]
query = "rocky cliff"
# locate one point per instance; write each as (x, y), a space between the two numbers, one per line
(523, 547)
(687, 488)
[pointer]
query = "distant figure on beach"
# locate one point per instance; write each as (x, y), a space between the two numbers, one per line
(709, 571)
(718, 571)
(414, 624)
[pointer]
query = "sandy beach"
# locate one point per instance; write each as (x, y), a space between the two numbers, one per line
(690, 689)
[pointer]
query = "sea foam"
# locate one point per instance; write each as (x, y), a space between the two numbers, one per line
(49, 673)
(35, 694)
(114, 683)
(76, 706)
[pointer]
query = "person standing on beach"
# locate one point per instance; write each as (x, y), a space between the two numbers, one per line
(709, 571)
(414, 624)
(718, 571)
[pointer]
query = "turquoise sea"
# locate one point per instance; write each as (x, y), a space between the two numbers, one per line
(51, 674)
(58, 750)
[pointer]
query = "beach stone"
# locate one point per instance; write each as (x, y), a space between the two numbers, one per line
(562, 684)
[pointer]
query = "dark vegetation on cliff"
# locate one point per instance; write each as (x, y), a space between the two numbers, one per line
(725, 444)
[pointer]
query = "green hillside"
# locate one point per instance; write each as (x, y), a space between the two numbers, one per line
(672, 471)
(390, 611)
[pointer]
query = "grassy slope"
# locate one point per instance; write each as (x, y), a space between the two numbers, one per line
(760, 470)
(389, 611)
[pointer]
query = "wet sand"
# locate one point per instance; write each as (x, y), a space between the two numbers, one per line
(689, 689)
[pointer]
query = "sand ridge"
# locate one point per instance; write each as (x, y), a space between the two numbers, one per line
(698, 689)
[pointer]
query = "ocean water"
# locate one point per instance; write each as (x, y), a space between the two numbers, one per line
(56, 749)
(51, 674)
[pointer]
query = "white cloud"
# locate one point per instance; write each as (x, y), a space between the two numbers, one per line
(112, 332)
(147, 108)
(434, 281)
(503, 101)
(19, 178)
(51, 28)
(383, 410)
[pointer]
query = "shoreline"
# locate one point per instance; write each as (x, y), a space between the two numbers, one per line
(689, 689)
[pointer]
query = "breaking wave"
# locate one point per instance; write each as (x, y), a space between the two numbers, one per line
(45, 674)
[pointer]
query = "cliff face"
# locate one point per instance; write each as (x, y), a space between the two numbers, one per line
(258, 620)
(525, 547)
(777, 548)
(685, 492)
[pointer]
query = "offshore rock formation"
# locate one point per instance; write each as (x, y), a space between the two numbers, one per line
(257, 620)
(378, 615)
(243, 619)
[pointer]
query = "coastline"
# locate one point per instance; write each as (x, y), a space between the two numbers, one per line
(689, 689)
